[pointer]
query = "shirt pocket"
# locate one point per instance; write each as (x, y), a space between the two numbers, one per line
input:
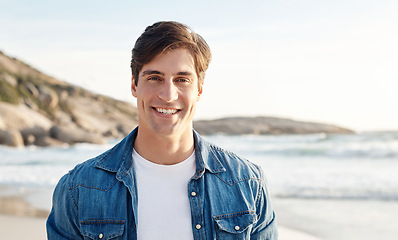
(102, 229)
(235, 225)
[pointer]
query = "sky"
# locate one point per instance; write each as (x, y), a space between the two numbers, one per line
(331, 61)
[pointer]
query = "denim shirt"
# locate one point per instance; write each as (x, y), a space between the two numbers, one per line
(98, 198)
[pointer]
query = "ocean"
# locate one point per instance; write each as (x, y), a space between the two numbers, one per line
(355, 166)
(338, 169)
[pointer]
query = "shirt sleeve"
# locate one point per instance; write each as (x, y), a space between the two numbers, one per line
(266, 226)
(62, 223)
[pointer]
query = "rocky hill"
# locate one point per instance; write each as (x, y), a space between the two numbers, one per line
(36, 109)
(264, 125)
(41, 110)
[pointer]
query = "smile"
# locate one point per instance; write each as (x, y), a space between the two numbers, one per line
(167, 111)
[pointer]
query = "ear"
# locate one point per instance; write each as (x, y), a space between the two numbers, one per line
(133, 87)
(200, 91)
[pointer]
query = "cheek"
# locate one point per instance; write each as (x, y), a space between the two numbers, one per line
(194, 100)
(143, 93)
(140, 100)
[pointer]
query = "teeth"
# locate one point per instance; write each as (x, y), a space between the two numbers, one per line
(166, 111)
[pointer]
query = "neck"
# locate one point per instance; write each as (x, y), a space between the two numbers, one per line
(167, 150)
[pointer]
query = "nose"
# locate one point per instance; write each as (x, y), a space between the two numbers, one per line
(168, 92)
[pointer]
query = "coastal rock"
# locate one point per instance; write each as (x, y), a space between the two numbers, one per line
(12, 138)
(30, 104)
(62, 118)
(2, 123)
(32, 89)
(88, 114)
(48, 97)
(9, 79)
(34, 135)
(98, 117)
(112, 133)
(20, 117)
(48, 141)
(71, 134)
(125, 129)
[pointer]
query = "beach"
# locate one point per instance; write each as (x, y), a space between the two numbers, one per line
(25, 208)
(332, 219)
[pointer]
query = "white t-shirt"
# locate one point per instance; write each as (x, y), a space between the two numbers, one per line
(163, 205)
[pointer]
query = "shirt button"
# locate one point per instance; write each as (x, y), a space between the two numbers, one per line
(198, 226)
(237, 228)
(193, 194)
(101, 236)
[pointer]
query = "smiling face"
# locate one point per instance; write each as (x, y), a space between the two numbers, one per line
(167, 93)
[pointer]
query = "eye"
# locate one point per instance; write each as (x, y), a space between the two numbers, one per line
(153, 78)
(183, 80)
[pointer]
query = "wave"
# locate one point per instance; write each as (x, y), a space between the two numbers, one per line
(340, 194)
(365, 145)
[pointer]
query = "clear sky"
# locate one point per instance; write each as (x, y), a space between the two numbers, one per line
(333, 61)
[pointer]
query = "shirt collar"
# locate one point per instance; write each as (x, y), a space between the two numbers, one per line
(121, 156)
(205, 157)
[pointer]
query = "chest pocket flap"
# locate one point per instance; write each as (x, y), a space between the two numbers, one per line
(235, 222)
(102, 229)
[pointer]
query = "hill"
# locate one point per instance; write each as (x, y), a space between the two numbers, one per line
(41, 110)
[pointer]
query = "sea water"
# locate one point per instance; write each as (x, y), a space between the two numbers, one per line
(349, 166)
(357, 166)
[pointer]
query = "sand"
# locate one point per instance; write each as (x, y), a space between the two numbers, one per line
(343, 219)
(17, 227)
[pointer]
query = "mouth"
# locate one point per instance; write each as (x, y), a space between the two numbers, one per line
(167, 111)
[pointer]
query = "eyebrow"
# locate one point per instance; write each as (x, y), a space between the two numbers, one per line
(150, 72)
(185, 73)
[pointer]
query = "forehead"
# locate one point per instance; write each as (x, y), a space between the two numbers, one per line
(171, 62)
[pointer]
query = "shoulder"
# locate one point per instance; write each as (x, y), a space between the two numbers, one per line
(100, 171)
(90, 174)
(235, 161)
(235, 167)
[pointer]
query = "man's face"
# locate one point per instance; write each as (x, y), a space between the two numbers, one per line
(167, 93)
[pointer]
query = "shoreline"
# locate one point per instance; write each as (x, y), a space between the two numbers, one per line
(22, 206)
(23, 202)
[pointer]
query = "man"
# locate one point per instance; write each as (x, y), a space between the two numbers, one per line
(164, 181)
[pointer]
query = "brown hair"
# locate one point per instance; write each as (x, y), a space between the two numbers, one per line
(163, 36)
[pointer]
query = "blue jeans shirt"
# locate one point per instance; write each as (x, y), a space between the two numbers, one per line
(98, 198)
